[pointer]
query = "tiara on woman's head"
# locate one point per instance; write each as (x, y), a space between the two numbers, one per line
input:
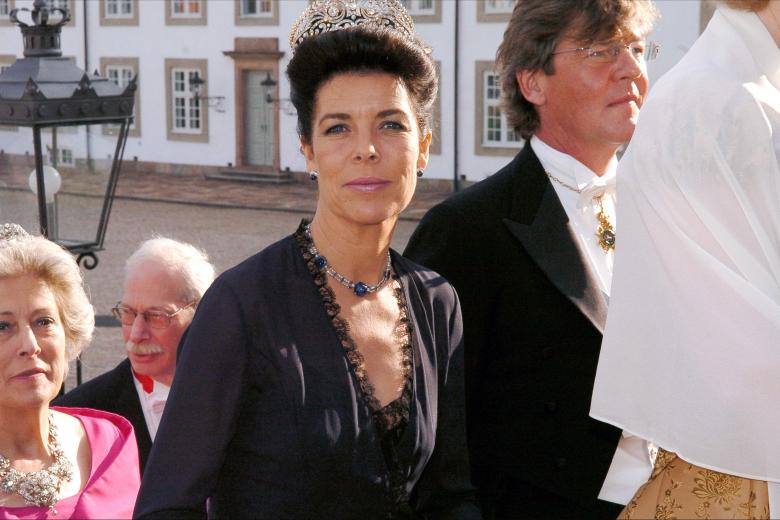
(333, 15)
(11, 231)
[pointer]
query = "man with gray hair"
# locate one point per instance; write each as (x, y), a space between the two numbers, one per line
(529, 251)
(164, 281)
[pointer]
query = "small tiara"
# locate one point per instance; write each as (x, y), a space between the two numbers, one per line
(10, 232)
(333, 15)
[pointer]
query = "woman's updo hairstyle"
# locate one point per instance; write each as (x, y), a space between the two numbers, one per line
(365, 48)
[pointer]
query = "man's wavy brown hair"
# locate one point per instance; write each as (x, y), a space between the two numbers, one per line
(537, 26)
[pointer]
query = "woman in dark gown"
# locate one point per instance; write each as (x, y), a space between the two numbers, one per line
(323, 377)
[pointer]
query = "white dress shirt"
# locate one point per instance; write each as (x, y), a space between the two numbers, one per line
(632, 463)
(152, 404)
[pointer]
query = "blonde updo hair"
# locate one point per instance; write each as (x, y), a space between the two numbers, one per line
(56, 267)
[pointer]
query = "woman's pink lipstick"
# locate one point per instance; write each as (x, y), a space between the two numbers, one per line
(367, 184)
(29, 374)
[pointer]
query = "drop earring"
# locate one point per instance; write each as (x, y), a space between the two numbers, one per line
(313, 175)
(420, 173)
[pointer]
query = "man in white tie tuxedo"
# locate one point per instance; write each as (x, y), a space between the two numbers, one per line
(529, 251)
(164, 281)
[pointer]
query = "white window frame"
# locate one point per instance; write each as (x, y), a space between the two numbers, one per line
(5, 7)
(181, 91)
(416, 7)
(4, 65)
(186, 14)
(508, 138)
(117, 5)
(123, 75)
(503, 7)
(260, 14)
(66, 157)
(120, 74)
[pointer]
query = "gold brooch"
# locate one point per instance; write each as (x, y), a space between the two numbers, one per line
(605, 232)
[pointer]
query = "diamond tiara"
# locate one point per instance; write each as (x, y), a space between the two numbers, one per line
(334, 15)
(9, 232)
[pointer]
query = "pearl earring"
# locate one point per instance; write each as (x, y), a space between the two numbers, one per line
(420, 172)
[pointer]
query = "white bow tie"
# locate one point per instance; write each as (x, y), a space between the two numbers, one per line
(606, 184)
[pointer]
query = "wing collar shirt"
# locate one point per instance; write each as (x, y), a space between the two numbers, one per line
(153, 395)
(632, 463)
(582, 208)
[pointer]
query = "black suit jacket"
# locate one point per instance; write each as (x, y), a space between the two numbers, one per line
(533, 317)
(114, 392)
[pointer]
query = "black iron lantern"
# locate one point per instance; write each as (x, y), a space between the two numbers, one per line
(196, 87)
(79, 124)
(268, 84)
(269, 87)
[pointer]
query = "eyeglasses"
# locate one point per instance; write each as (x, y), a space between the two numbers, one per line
(607, 52)
(155, 319)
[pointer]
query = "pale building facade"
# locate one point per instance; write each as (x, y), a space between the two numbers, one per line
(236, 46)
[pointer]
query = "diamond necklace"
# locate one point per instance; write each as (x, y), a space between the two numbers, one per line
(359, 288)
(39, 488)
(606, 231)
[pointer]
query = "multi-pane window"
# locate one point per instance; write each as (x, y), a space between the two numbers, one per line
(62, 4)
(186, 106)
(499, 6)
(186, 8)
(260, 8)
(496, 131)
(119, 8)
(121, 75)
(4, 66)
(66, 156)
(419, 7)
(5, 7)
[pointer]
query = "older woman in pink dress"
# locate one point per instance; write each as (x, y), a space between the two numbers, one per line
(54, 463)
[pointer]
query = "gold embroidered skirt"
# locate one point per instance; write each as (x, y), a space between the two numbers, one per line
(679, 490)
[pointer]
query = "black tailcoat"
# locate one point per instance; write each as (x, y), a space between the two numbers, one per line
(533, 318)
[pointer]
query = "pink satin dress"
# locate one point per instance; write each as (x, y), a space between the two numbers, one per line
(114, 480)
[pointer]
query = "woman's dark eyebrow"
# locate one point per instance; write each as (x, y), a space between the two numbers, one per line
(337, 115)
(391, 112)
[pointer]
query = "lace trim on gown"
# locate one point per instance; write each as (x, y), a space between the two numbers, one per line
(390, 420)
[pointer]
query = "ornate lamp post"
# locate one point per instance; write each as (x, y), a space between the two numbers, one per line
(46, 92)
(269, 86)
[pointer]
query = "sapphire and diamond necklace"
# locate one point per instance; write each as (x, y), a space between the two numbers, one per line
(359, 288)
